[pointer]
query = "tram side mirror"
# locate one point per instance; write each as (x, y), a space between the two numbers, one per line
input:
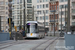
(36, 26)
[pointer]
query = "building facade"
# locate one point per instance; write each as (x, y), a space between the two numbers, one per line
(43, 6)
(62, 5)
(72, 16)
(4, 14)
(54, 14)
(18, 11)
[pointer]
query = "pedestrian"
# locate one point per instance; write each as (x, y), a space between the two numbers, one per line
(23, 33)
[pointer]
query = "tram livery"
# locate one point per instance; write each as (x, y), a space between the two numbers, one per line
(35, 29)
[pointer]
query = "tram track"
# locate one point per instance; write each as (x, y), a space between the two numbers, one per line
(38, 47)
(13, 43)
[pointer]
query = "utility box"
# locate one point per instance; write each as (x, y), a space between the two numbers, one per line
(4, 36)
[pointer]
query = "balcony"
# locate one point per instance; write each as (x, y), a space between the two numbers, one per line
(73, 0)
(9, 4)
(53, 0)
(73, 7)
(52, 11)
(53, 20)
(10, 9)
(9, 0)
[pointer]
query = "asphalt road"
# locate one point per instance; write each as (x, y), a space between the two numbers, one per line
(30, 44)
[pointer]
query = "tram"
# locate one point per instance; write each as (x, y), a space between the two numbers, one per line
(35, 29)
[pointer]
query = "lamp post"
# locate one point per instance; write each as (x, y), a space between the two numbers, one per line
(44, 22)
(68, 20)
(53, 11)
(61, 21)
(0, 23)
(20, 18)
(24, 16)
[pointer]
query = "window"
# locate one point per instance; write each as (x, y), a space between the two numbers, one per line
(46, 23)
(2, 7)
(62, 13)
(18, 17)
(40, 1)
(6, 8)
(43, 6)
(63, 19)
(1, 2)
(40, 6)
(36, 18)
(73, 11)
(29, 1)
(73, 17)
(18, 7)
(66, 0)
(40, 12)
(61, 0)
(46, 0)
(61, 6)
(37, 12)
(6, 3)
(46, 11)
(37, 1)
(43, 0)
(37, 6)
(6, 12)
(73, 23)
(20, 1)
(46, 17)
(40, 18)
(29, 5)
(46, 5)
(17, 1)
(17, 22)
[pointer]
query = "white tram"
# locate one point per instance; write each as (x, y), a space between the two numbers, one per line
(35, 29)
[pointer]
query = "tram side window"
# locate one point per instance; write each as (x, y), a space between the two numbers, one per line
(28, 28)
(36, 27)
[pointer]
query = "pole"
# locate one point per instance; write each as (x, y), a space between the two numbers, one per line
(28, 15)
(68, 22)
(20, 18)
(0, 23)
(54, 22)
(65, 19)
(61, 21)
(33, 14)
(24, 15)
(44, 22)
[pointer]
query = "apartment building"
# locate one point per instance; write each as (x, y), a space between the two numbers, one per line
(72, 16)
(54, 14)
(4, 14)
(43, 6)
(62, 4)
(18, 11)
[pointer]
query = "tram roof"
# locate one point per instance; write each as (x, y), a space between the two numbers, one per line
(32, 22)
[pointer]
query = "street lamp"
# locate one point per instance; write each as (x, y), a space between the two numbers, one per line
(24, 16)
(68, 20)
(0, 23)
(53, 11)
(44, 23)
(61, 21)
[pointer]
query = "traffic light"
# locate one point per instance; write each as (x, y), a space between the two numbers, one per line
(10, 20)
(12, 24)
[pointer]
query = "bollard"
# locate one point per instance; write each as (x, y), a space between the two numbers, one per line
(16, 36)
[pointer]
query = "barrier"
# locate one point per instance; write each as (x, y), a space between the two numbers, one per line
(70, 41)
(4, 36)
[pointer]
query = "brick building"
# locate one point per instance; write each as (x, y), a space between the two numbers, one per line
(53, 5)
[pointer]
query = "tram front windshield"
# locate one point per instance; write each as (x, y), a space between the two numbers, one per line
(32, 28)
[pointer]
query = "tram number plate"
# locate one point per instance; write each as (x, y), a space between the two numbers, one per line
(31, 34)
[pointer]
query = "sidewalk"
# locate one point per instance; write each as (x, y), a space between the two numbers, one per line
(60, 44)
